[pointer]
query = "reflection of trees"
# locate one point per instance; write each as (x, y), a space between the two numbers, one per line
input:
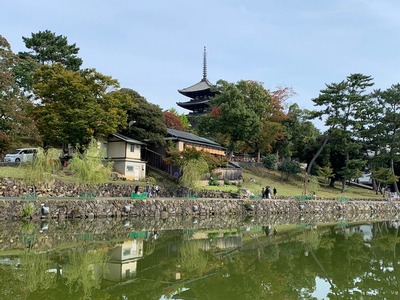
(85, 270)
(346, 262)
(148, 247)
(192, 259)
(266, 267)
(385, 279)
(34, 272)
(310, 238)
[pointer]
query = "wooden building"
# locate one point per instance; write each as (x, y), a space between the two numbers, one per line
(182, 140)
(126, 153)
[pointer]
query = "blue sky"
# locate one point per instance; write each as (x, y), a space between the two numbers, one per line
(156, 47)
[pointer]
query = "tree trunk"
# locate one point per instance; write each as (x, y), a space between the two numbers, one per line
(308, 171)
(396, 188)
(343, 184)
(317, 154)
(344, 179)
(332, 182)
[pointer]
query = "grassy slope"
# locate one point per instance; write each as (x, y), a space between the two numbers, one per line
(257, 178)
(254, 180)
(294, 186)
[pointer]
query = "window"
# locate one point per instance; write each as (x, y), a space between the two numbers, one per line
(132, 147)
(129, 168)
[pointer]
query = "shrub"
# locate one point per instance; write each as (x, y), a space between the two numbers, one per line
(269, 161)
(289, 167)
(28, 210)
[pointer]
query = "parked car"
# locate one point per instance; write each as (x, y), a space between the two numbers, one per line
(20, 155)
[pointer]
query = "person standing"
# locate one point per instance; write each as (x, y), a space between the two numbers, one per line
(275, 192)
(268, 193)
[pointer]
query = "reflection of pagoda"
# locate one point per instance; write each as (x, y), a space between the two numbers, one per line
(200, 93)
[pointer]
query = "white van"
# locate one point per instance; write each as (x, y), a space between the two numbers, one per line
(20, 155)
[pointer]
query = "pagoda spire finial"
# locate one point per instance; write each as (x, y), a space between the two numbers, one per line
(205, 64)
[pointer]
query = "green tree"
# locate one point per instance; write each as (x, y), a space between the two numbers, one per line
(269, 161)
(268, 107)
(289, 167)
(77, 106)
(43, 167)
(193, 164)
(47, 48)
(145, 120)
(325, 172)
(384, 176)
(342, 105)
(231, 115)
(272, 117)
(24, 71)
(16, 126)
(89, 168)
(387, 139)
(301, 136)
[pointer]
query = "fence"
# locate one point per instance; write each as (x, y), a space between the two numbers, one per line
(227, 173)
(156, 160)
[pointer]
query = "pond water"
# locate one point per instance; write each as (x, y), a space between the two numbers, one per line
(148, 259)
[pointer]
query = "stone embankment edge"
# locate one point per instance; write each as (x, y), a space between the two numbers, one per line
(124, 207)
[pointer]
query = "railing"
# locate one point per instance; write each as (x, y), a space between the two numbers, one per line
(156, 160)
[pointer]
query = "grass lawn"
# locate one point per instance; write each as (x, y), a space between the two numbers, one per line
(256, 179)
(12, 172)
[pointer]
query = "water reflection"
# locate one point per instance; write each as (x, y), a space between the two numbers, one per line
(134, 259)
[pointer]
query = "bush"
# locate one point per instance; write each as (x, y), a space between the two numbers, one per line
(269, 161)
(28, 210)
(213, 181)
(289, 167)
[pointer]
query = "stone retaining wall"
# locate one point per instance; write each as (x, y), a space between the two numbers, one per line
(61, 201)
(12, 209)
(15, 188)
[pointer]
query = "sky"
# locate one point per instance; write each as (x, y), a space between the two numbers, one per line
(155, 47)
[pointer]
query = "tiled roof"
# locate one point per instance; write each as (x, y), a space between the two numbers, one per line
(202, 85)
(190, 137)
(128, 139)
(193, 102)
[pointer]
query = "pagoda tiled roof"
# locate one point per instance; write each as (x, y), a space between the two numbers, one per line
(193, 102)
(202, 85)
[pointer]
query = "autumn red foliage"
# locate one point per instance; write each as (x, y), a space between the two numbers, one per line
(172, 121)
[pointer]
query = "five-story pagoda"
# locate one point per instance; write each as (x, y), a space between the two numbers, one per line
(199, 93)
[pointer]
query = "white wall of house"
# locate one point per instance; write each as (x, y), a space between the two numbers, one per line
(125, 153)
(116, 149)
(133, 170)
(123, 149)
